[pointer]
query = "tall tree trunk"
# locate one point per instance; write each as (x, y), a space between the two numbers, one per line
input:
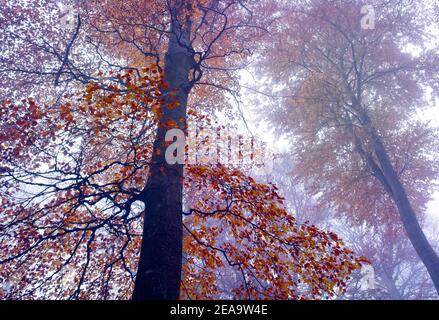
(389, 282)
(406, 212)
(159, 271)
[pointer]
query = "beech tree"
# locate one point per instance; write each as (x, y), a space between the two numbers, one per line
(76, 166)
(185, 38)
(72, 226)
(351, 94)
(395, 271)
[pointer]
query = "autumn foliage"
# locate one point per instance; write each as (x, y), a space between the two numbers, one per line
(239, 228)
(71, 227)
(91, 208)
(352, 100)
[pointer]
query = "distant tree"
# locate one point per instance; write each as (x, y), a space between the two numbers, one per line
(397, 272)
(350, 100)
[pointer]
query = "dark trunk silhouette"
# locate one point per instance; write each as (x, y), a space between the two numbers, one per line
(408, 217)
(159, 270)
(382, 168)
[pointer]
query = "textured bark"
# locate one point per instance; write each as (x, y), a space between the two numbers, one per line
(406, 212)
(159, 270)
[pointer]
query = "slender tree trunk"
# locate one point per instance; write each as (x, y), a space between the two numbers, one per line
(390, 284)
(159, 271)
(406, 212)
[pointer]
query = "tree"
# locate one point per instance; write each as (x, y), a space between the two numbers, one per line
(395, 271)
(350, 97)
(71, 223)
(185, 39)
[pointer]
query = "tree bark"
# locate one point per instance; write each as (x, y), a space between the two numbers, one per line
(406, 212)
(159, 271)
